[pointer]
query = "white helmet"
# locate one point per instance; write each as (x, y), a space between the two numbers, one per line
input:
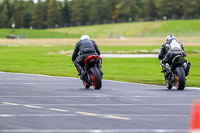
(83, 37)
(169, 37)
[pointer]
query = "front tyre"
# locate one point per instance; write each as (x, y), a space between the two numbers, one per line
(96, 78)
(180, 78)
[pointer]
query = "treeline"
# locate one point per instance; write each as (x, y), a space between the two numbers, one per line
(52, 13)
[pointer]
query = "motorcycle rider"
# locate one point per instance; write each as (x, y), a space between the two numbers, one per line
(166, 54)
(84, 48)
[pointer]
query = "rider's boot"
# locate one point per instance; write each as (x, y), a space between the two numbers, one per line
(101, 73)
(81, 70)
(167, 76)
(187, 71)
(166, 70)
(82, 73)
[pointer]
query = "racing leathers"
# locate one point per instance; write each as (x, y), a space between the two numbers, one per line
(83, 49)
(166, 56)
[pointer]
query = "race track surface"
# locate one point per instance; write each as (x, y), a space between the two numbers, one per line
(36, 103)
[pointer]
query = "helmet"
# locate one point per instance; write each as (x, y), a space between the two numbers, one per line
(83, 37)
(169, 37)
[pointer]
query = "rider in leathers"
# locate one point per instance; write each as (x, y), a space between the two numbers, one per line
(84, 48)
(166, 59)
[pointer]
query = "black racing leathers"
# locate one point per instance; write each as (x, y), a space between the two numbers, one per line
(167, 58)
(82, 50)
(85, 47)
(164, 49)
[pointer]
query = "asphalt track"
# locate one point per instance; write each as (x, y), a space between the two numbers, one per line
(36, 103)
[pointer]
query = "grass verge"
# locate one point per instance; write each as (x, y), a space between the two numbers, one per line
(49, 61)
(134, 29)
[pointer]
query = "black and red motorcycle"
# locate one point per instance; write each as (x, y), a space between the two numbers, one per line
(92, 75)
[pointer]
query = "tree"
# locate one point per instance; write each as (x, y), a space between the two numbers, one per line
(79, 11)
(53, 14)
(150, 10)
(101, 11)
(139, 10)
(38, 18)
(7, 12)
(191, 9)
(19, 14)
(172, 9)
(128, 10)
(186, 6)
(47, 13)
(4, 17)
(28, 13)
(97, 11)
(65, 13)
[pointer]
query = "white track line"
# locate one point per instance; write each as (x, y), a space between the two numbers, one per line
(11, 79)
(38, 83)
(106, 116)
(36, 115)
(117, 117)
(100, 131)
(77, 114)
(60, 110)
(48, 76)
(31, 106)
(8, 103)
(187, 104)
(86, 113)
(101, 96)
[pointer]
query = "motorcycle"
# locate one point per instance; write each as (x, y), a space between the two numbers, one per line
(92, 75)
(177, 72)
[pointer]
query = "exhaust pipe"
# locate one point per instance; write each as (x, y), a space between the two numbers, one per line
(187, 69)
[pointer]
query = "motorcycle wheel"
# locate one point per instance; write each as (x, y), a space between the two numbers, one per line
(169, 86)
(96, 78)
(180, 78)
(86, 85)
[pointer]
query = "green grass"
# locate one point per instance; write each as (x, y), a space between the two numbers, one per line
(37, 60)
(27, 33)
(117, 30)
(178, 28)
(143, 49)
(145, 70)
(135, 29)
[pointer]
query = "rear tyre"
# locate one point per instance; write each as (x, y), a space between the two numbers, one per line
(86, 85)
(168, 85)
(96, 78)
(180, 78)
